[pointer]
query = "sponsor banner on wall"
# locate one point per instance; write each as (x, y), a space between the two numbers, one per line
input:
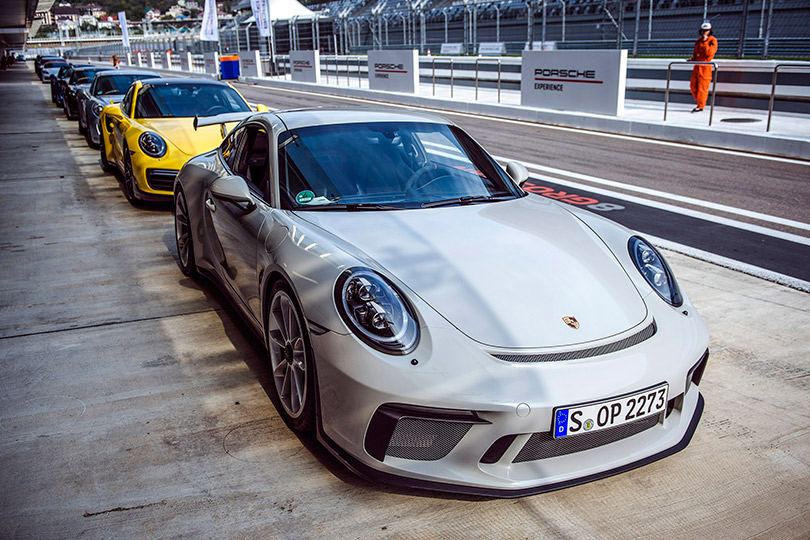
(250, 64)
(541, 46)
(394, 71)
(211, 60)
(492, 49)
(584, 81)
(450, 48)
(305, 66)
(261, 12)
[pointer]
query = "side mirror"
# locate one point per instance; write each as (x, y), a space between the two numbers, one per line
(517, 172)
(233, 189)
(262, 108)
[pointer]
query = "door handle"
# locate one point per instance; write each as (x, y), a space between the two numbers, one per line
(210, 204)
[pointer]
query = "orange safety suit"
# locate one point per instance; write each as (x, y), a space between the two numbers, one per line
(702, 75)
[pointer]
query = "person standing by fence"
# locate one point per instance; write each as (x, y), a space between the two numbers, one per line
(705, 49)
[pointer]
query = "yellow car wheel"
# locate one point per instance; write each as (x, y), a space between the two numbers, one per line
(105, 165)
(129, 179)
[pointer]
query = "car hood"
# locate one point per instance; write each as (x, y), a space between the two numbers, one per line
(180, 133)
(505, 273)
(109, 99)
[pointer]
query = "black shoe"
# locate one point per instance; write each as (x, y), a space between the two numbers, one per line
(697, 109)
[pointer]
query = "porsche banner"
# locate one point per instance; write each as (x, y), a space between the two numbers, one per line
(122, 20)
(261, 12)
(209, 31)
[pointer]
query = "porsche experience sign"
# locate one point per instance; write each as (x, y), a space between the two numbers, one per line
(394, 71)
(305, 66)
(585, 81)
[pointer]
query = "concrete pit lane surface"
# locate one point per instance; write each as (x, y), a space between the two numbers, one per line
(133, 404)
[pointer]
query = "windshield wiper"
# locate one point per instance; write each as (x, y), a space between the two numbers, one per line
(469, 199)
(350, 207)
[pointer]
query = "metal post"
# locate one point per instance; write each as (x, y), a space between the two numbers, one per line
(705, 9)
(635, 33)
(433, 65)
(773, 92)
(444, 12)
(649, 22)
(564, 8)
(451, 77)
(499, 80)
(761, 18)
(767, 41)
(714, 85)
(359, 84)
(476, 78)
(498, 22)
(326, 63)
(543, 33)
(743, 31)
(666, 92)
(530, 22)
(621, 25)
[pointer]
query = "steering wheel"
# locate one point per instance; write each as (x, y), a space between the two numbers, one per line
(214, 110)
(433, 171)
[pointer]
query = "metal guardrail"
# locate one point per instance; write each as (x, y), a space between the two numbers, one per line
(773, 87)
(714, 84)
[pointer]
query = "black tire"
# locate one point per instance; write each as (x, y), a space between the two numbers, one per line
(89, 140)
(129, 179)
(53, 95)
(105, 165)
(290, 356)
(82, 129)
(183, 235)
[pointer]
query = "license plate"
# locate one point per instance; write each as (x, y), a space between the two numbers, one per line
(578, 419)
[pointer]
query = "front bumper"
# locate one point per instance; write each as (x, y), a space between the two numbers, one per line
(463, 421)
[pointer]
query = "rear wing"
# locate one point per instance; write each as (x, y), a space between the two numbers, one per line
(220, 119)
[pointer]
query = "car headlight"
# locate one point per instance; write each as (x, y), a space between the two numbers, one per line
(97, 109)
(152, 144)
(655, 270)
(376, 312)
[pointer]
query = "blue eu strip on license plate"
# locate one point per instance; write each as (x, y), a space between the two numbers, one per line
(561, 423)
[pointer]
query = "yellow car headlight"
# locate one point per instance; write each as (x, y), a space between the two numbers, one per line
(152, 144)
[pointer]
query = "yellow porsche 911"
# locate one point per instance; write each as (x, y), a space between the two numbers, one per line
(150, 135)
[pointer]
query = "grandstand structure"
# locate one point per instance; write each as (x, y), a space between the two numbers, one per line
(652, 27)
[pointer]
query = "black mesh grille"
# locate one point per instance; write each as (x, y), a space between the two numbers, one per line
(425, 440)
(161, 179)
(543, 445)
(625, 343)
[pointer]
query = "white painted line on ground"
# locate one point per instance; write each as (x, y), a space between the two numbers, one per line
(738, 266)
(680, 210)
(549, 126)
(670, 196)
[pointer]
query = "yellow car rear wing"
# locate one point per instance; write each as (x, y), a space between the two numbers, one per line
(200, 121)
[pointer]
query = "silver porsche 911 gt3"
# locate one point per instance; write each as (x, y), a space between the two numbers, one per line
(436, 325)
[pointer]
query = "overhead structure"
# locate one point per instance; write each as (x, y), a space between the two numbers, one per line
(282, 10)
(16, 18)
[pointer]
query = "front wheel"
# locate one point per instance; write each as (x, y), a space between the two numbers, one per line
(182, 235)
(129, 179)
(290, 359)
(102, 147)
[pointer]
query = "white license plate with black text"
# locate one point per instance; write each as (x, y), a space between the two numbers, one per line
(578, 419)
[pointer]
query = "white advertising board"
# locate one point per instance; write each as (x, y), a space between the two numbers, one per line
(150, 60)
(138, 59)
(492, 49)
(584, 81)
(394, 71)
(305, 66)
(451, 48)
(250, 64)
(541, 46)
(185, 61)
(211, 60)
(166, 60)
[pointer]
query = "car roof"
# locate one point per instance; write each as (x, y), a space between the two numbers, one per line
(146, 74)
(169, 82)
(88, 68)
(319, 116)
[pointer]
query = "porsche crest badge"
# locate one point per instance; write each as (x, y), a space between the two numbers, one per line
(571, 321)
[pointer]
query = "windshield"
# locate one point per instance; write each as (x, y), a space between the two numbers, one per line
(386, 165)
(188, 99)
(48, 65)
(85, 76)
(115, 84)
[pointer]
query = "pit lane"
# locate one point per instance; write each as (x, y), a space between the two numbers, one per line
(133, 404)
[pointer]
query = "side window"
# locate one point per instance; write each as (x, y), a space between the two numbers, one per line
(252, 162)
(126, 103)
(230, 148)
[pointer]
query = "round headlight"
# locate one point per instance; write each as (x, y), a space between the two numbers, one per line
(655, 270)
(97, 109)
(152, 144)
(376, 312)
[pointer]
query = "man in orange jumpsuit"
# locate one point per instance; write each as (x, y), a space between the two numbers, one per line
(705, 49)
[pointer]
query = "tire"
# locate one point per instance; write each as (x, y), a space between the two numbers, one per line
(105, 165)
(129, 179)
(290, 358)
(183, 236)
(89, 140)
